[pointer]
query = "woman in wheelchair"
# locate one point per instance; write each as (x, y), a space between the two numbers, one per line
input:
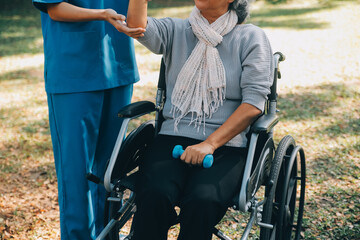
(218, 75)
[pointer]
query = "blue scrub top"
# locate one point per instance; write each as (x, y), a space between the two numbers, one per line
(86, 56)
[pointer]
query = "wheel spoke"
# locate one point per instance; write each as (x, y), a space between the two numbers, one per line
(273, 233)
(292, 184)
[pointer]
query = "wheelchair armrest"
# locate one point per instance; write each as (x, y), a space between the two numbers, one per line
(136, 109)
(265, 123)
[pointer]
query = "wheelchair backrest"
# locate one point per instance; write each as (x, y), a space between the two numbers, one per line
(270, 107)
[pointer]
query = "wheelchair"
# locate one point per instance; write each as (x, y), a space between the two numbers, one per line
(273, 184)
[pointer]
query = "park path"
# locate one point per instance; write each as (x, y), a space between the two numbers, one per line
(316, 56)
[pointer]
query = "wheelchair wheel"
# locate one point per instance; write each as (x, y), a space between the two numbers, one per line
(131, 154)
(122, 211)
(110, 209)
(285, 193)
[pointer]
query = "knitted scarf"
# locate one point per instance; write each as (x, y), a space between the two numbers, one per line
(201, 84)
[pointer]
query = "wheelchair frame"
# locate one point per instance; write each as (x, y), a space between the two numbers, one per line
(275, 214)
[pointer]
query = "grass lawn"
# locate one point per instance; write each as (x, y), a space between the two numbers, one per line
(319, 102)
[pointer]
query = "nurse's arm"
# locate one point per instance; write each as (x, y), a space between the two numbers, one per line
(137, 13)
(67, 12)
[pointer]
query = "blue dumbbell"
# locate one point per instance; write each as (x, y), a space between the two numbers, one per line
(207, 162)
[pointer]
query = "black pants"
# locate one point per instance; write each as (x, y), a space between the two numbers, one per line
(203, 195)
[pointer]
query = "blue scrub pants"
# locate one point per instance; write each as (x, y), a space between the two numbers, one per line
(84, 127)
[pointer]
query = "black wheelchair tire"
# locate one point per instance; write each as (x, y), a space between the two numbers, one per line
(273, 190)
(292, 203)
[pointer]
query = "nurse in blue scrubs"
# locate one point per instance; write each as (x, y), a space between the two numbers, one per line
(89, 71)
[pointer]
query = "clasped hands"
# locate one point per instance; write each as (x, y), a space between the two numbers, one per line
(118, 21)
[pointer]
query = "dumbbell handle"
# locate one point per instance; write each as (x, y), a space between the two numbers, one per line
(207, 162)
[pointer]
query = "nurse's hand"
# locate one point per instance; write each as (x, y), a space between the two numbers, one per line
(195, 154)
(118, 21)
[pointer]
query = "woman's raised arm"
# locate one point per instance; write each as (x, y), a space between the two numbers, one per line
(137, 14)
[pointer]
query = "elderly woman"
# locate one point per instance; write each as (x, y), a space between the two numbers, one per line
(218, 75)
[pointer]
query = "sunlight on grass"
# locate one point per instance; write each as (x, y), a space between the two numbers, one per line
(20, 62)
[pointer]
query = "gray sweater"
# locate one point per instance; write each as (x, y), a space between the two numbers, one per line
(246, 55)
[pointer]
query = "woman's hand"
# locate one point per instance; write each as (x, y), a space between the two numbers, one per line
(118, 21)
(195, 154)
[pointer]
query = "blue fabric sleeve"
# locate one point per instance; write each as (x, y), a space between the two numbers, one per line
(41, 4)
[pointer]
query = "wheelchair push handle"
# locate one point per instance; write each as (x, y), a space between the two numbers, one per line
(207, 162)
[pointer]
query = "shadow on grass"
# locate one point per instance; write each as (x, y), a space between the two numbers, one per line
(292, 18)
(337, 163)
(313, 102)
(335, 212)
(296, 23)
(333, 169)
(289, 12)
(170, 3)
(20, 28)
(33, 151)
(27, 74)
(23, 143)
(343, 125)
(37, 126)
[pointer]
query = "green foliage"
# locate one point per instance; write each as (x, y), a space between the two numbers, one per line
(20, 30)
